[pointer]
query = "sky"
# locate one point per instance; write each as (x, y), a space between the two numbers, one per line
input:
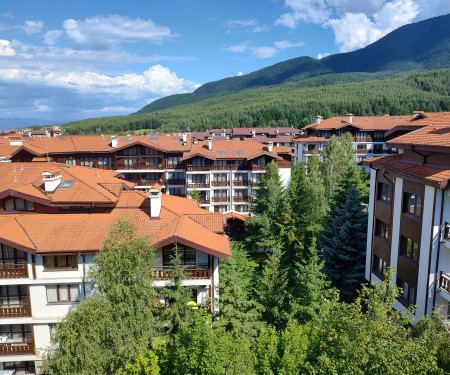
(70, 60)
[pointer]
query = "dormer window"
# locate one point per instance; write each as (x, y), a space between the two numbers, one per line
(18, 204)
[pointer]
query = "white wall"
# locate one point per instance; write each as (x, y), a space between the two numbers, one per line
(373, 176)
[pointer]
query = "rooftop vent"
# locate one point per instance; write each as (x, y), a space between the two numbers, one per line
(318, 120)
(15, 140)
(350, 118)
(114, 141)
(270, 146)
(155, 202)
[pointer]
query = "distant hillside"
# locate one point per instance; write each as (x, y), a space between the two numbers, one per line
(289, 104)
(412, 48)
(17, 123)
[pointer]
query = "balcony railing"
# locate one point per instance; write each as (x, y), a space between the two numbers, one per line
(203, 201)
(220, 183)
(361, 151)
(14, 348)
(241, 199)
(15, 311)
(363, 139)
(175, 166)
(191, 274)
(220, 167)
(198, 185)
(444, 282)
(146, 182)
(13, 271)
(175, 182)
(258, 167)
(242, 182)
(220, 199)
(198, 168)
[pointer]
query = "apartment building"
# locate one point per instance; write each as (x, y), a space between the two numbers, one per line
(409, 214)
(368, 133)
(55, 217)
(226, 173)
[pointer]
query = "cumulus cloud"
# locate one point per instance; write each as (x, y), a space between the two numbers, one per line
(250, 23)
(33, 27)
(104, 32)
(6, 49)
(283, 44)
(264, 52)
(238, 48)
(239, 74)
(322, 55)
(52, 36)
(355, 23)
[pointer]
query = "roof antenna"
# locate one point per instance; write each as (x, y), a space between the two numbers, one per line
(21, 167)
(46, 145)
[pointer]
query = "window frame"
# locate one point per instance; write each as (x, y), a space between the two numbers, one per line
(46, 259)
(382, 229)
(384, 193)
(407, 249)
(60, 301)
(412, 204)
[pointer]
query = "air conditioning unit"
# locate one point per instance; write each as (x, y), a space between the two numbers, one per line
(447, 232)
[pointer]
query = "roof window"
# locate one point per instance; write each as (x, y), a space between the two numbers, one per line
(177, 138)
(66, 184)
(154, 138)
(64, 165)
(238, 152)
(221, 152)
(30, 139)
(127, 139)
(62, 138)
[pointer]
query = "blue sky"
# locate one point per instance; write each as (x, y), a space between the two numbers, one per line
(69, 60)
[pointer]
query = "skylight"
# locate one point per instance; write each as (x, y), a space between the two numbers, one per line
(30, 139)
(127, 139)
(62, 138)
(391, 118)
(177, 138)
(221, 152)
(66, 184)
(238, 152)
(154, 138)
(64, 165)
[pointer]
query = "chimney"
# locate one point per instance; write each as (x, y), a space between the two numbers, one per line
(210, 144)
(155, 202)
(318, 119)
(114, 141)
(270, 146)
(51, 180)
(184, 138)
(350, 118)
(253, 133)
(15, 140)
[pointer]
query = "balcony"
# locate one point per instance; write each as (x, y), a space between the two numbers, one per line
(363, 139)
(242, 182)
(200, 168)
(175, 182)
(15, 311)
(198, 185)
(258, 167)
(13, 271)
(220, 199)
(220, 183)
(361, 151)
(175, 166)
(147, 182)
(203, 201)
(444, 282)
(241, 199)
(191, 274)
(220, 167)
(16, 348)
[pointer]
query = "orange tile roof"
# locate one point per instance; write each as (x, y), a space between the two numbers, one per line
(432, 131)
(439, 177)
(229, 150)
(179, 222)
(234, 215)
(25, 179)
(363, 122)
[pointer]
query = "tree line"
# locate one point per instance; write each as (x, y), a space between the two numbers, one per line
(292, 298)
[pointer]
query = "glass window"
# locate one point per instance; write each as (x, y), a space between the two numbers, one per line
(62, 293)
(30, 205)
(379, 265)
(9, 205)
(60, 261)
(384, 192)
(20, 204)
(408, 292)
(382, 229)
(409, 248)
(412, 204)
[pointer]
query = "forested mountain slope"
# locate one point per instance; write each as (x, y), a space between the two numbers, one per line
(416, 47)
(289, 104)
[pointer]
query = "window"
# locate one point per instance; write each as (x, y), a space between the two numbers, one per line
(312, 147)
(52, 328)
(130, 151)
(60, 261)
(13, 296)
(18, 204)
(223, 208)
(173, 160)
(409, 248)
(71, 161)
(63, 293)
(412, 204)
(408, 293)
(382, 229)
(104, 162)
(198, 162)
(379, 266)
(11, 256)
(187, 256)
(87, 161)
(20, 367)
(16, 333)
(384, 192)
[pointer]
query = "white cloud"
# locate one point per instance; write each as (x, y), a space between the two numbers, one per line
(239, 74)
(40, 107)
(283, 44)
(119, 109)
(52, 36)
(357, 30)
(243, 23)
(238, 48)
(264, 52)
(316, 11)
(104, 32)
(33, 27)
(6, 49)
(322, 55)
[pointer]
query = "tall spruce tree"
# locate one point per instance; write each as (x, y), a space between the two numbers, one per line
(344, 245)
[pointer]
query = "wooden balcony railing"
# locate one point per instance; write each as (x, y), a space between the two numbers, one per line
(175, 166)
(220, 199)
(220, 167)
(14, 348)
(258, 167)
(220, 183)
(242, 182)
(175, 182)
(198, 185)
(13, 271)
(241, 199)
(361, 151)
(198, 168)
(191, 274)
(147, 182)
(203, 201)
(363, 139)
(15, 312)
(444, 282)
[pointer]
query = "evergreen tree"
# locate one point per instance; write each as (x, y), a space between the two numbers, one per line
(272, 291)
(344, 245)
(298, 200)
(177, 297)
(238, 312)
(311, 287)
(108, 329)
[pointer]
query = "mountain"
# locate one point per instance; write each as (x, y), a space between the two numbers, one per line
(411, 48)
